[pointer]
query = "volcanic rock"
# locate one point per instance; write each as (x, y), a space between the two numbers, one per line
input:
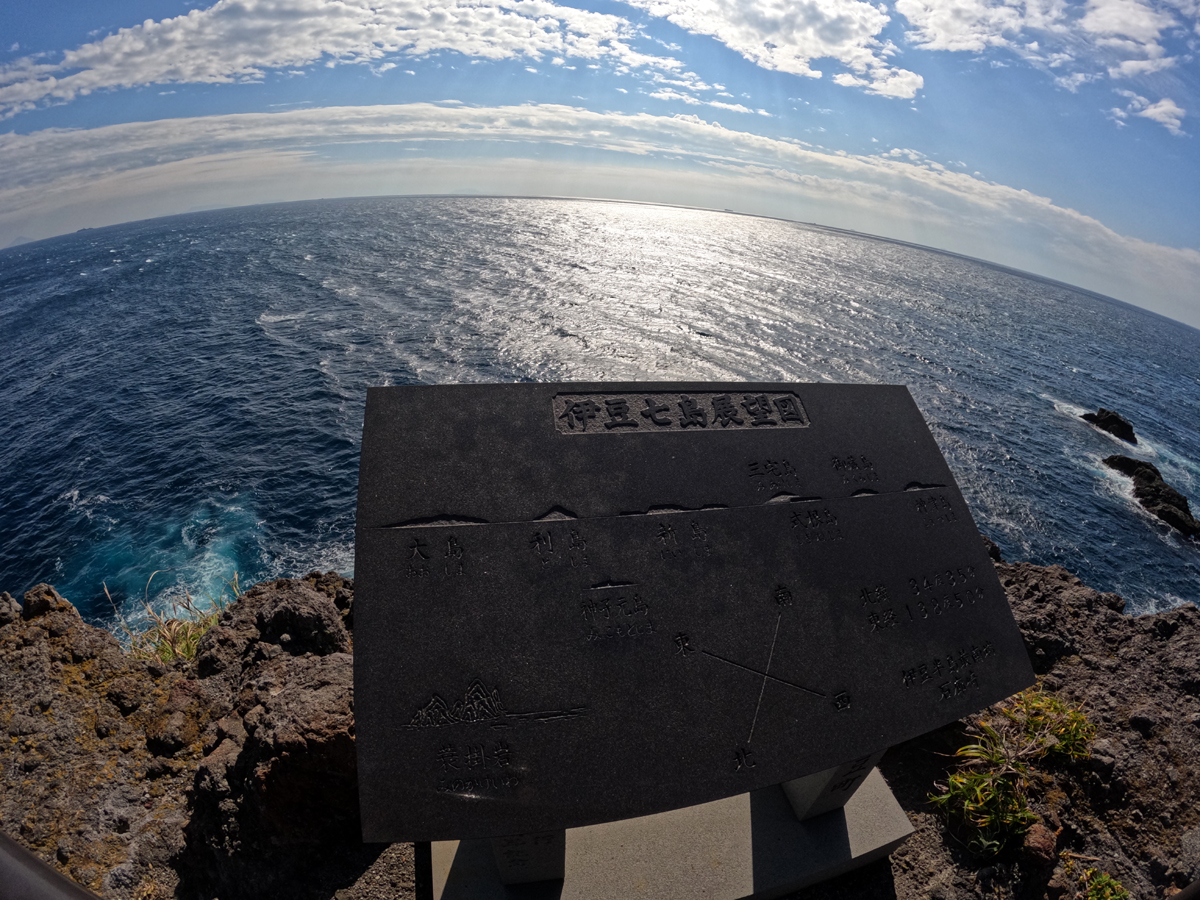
(145, 779)
(75, 759)
(1114, 423)
(1155, 495)
(279, 768)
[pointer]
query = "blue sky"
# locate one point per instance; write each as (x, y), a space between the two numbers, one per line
(1056, 137)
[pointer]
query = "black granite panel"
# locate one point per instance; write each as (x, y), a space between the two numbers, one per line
(559, 623)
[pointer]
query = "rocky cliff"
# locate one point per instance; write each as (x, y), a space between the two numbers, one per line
(234, 776)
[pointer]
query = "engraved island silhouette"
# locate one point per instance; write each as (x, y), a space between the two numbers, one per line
(482, 704)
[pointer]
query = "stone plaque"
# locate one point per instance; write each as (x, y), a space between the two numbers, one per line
(576, 603)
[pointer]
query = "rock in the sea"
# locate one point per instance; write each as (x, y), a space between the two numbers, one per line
(1155, 495)
(1114, 423)
(993, 551)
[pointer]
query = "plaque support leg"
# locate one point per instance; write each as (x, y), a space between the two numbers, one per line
(824, 791)
(523, 858)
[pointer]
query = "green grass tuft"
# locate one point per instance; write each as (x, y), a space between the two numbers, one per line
(988, 793)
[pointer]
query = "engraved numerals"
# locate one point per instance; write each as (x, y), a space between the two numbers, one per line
(942, 591)
(930, 596)
(948, 578)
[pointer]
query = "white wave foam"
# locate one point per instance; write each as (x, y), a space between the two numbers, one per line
(81, 504)
(1065, 407)
(271, 319)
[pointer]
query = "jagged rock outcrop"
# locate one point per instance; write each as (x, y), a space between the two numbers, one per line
(83, 781)
(279, 769)
(1156, 496)
(139, 778)
(1114, 423)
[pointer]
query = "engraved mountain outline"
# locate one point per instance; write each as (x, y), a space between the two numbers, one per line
(477, 705)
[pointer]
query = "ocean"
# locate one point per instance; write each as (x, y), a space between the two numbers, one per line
(182, 397)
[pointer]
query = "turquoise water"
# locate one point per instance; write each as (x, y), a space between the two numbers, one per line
(183, 397)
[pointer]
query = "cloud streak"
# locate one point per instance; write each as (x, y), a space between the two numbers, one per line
(242, 40)
(245, 40)
(900, 192)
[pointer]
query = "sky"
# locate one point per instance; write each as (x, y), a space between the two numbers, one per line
(1054, 137)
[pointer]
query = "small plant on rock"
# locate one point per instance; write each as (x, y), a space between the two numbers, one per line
(988, 793)
(176, 637)
(1097, 885)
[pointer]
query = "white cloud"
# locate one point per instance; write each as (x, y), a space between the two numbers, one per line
(1130, 68)
(1121, 37)
(971, 25)
(1073, 82)
(79, 177)
(1132, 19)
(791, 36)
(1165, 112)
(241, 40)
(672, 94)
(732, 107)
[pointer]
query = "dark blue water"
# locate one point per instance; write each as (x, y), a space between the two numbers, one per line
(184, 396)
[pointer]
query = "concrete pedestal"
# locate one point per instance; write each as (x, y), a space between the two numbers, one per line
(750, 845)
